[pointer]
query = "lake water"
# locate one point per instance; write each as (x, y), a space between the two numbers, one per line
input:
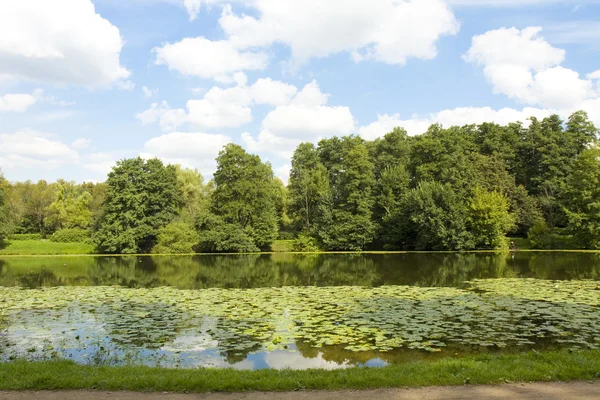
(295, 311)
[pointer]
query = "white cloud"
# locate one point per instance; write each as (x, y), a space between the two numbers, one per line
(514, 3)
(16, 102)
(28, 148)
(208, 59)
(594, 75)
(81, 143)
(222, 108)
(125, 85)
(193, 7)
(389, 31)
(167, 117)
(523, 66)
(149, 93)
(192, 150)
(59, 41)
(386, 30)
(305, 118)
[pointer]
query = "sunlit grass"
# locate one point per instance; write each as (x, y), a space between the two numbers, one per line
(488, 369)
(43, 247)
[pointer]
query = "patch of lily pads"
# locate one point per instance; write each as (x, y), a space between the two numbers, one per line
(488, 314)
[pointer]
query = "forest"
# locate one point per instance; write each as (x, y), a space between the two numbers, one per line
(455, 188)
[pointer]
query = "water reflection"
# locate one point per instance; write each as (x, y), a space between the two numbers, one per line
(277, 270)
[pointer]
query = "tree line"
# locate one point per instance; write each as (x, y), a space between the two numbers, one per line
(455, 188)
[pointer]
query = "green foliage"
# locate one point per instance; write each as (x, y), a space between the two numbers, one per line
(71, 235)
(346, 221)
(25, 236)
(195, 194)
(70, 209)
(5, 225)
(176, 238)
(489, 219)
(219, 236)
(141, 197)
(308, 189)
(432, 217)
(582, 200)
(305, 243)
(245, 196)
(543, 237)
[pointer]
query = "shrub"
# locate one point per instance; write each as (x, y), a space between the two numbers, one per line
(25, 236)
(286, 235)
(73, 235)
(176, 238)
(306, 243)
(543, 237)
(218, 236)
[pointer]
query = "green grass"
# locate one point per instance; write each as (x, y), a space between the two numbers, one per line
(43, 247)
(521, 243)
(484, 369)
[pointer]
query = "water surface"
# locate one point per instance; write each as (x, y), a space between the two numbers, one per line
(295, 311)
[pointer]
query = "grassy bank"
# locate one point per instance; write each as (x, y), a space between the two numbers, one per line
(43, 247)
(485, 369)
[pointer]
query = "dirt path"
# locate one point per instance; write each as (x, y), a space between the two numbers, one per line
(537, 391)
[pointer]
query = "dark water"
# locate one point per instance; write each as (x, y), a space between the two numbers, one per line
(156, 311)
(277, 270)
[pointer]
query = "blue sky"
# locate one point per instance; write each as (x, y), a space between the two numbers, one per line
(85, 83)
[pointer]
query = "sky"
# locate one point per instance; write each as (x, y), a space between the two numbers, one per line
(84, 83)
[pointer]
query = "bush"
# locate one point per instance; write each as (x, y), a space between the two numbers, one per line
(25, 236)
(73, 235)
(545, 238)
(286, 235)
(176, 238)
(307, 244)
(218, 236)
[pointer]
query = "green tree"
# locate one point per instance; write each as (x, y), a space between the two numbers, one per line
(489, 219)
(308, 189)
(346, 224)
(70, 209)
(5, 223)
(245, 194)
(141, 197)
(432, 217)
(218, 236)
(176, 238)
(195, 193)
(582, 204)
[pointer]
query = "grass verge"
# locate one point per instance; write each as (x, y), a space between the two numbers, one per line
(483, 369)
(43, 247)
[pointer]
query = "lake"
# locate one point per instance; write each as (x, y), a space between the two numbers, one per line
(295, 311)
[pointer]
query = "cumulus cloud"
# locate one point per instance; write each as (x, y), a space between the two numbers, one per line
(389, 31)
(149, 93)
(28, 148)
(59, 41)
(16, 102)
(305, 118)
(209, 59)
(167, 117)
(221, 108)
(192, 150)
(525, 67)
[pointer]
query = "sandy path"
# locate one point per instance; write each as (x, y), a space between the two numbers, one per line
(550, 391)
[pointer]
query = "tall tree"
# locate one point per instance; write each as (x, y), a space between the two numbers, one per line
(347, 223)
(195, 193)
(432, 217)
(245, 194)
(141, 197)
(70, 209)
(308, 189)
(489, 219)
(582, 200)
(29, 203)
(5, 223)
